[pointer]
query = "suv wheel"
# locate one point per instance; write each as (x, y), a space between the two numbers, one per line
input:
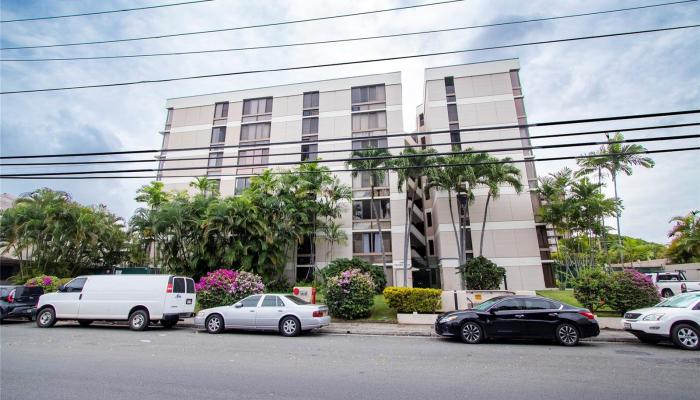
(567, 334)
(666, 293)
(290, 326)
(138, 320)
(214, 323)
(471, 333)
(46, 318)
(686, 337)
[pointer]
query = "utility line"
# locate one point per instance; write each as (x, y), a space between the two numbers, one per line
(392, 135)
(104, 12)
(301, 67)
(262, 47)
(388, 157)
(236, 28)
(561, 158)
(406, 146)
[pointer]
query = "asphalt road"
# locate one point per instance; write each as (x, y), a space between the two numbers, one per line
(111, 362)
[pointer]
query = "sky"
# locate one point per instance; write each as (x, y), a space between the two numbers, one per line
(637, 74)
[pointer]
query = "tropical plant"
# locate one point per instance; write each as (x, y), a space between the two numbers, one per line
(350, 294)
(409, 300)
(685, 238)
(333, 233)
(480, 273)
(225, 287)
(497, 173)
(591, 287)
(46, 282)
(344, 264)
(630, 289)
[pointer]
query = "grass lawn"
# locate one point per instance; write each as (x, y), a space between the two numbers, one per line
(567, 296)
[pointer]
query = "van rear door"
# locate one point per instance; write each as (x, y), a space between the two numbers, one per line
(180, 296)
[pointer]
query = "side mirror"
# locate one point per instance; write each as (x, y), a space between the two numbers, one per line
(238, 305)
(62, 288)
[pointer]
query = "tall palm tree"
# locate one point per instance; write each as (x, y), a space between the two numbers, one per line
(615, 157)
(494, 176)
(413, 167)
(685, 234)
(372, 161)
(333, 233)
(154, 196)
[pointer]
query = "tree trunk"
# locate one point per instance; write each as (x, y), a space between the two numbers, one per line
(483, 224)
(381, 237)
(460, 257)
(407, 240)
(617, 217)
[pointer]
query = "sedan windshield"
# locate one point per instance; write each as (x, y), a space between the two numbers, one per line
(681, 301)
(485, 305)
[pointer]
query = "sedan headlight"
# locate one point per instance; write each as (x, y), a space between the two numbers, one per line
(448, 319)
(652, 317)
(201, 314)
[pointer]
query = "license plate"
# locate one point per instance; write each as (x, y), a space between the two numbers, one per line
(188, 301)
(628, 325)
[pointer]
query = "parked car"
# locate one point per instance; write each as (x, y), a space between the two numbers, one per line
(677, 319)
(670, 284)
(139, 299)
(283, 313)
(19, 301)
(519, 317)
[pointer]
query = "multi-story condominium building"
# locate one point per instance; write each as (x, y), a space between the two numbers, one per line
(288, 124)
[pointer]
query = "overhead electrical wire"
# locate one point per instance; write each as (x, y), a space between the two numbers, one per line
(391, 135)
(236, 28)
(312, 66)
(561, 158)
(182, 3)
(272, 46)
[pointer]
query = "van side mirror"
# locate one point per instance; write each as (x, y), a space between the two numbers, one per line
(238, 305)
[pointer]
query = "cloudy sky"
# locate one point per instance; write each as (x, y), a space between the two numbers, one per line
(629, 75)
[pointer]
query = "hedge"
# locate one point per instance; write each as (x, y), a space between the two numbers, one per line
(408, 300)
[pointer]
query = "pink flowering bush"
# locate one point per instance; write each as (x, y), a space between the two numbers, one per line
(630, 289)
(227, 286)
(350, 294)
(48, 283)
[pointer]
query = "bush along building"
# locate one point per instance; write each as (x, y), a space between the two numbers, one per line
(244, 132)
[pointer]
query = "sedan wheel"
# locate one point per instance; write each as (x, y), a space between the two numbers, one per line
(471, 333)
(567, 335)
(289, 326)
(686, 337)
(214, 324)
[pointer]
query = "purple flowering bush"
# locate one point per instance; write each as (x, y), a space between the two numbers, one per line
(350, 294)
(47, 282)
(630, 289)
(226, 286)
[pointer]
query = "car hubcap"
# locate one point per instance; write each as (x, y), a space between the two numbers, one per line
(471, 332)
(688, 337)
(214, 324)
(567, 334)
(289, 326)
(137, 322)
(45, 318)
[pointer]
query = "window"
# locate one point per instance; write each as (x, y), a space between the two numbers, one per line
(190, 285)
(257, 106)
(431, 247)
(218, 134)
(251, 301)
(369, 144)
(367, 95)
(364, 180)
(451, 99)
(296, 300)
(255, 133)
(452, 113)
(539, 304)
(76, 285)
(309, 126)
(216, 159)
(363, 209)
(309, 152)
(169, 119)
(450, 85)
(271, 301)
(241, 185)
(179, 285)
(310, 100)
(368, 242)
(426, 192)
(509, 305)
(253, 157)
(220, 110)
(429, 217)
(421, 119)
(519, 106)
(369, 121)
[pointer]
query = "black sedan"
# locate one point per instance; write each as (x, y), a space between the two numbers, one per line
(519, 317)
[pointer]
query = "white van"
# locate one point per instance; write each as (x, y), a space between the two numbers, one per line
(140, 299)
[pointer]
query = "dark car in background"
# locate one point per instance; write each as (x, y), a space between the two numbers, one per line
(19, 301)
(519, 317)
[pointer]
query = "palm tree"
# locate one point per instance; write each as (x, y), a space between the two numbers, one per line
(496, 174)
(203, 185)
(372, 161)
(333, 233)
(685, 234)
(615, 157)
(154, 196)
(413, 167)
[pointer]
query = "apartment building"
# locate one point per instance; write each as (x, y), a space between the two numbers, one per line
(288, 123)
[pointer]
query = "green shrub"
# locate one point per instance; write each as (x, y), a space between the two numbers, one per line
(344, 264)
(225, 287)
(48, 283)
(408, 300)
(591, 288)
(630, 289)
(280, 285)
(480, 273)
(350, 294)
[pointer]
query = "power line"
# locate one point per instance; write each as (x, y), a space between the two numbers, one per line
(388, 157)
(261, 47)
(301, 67)
(296, 21)
(105, 12)
(405, 146)
(561, 158)
(392, 135)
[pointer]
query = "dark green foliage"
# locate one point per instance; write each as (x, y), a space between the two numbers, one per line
(408, 300)
(629, 290)
(345, 264)
(591, 288)
(350, 294)
(480, 273)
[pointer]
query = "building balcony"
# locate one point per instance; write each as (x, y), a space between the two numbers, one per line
(417, 235)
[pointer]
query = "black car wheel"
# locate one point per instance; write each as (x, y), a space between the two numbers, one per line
(686, 337)
(214, 323)
(138, 320)
(567, 334)
(46, 318)
(290, 326)
(84, 322)
(471, 332)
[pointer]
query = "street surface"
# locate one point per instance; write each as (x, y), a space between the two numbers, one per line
(112, 362)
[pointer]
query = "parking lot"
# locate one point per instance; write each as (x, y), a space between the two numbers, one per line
(112, 362)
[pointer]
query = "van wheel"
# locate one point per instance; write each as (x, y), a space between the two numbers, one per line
(46, 318)
(290, 326)
(138, 320)
(167, 324)
(84, 322)
(214, 323)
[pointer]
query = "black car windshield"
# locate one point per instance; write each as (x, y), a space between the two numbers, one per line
(485, 305)
(681, 301)
(297, 300)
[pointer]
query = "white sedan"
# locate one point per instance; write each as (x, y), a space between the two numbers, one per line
(677, 319)
(286, 314)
